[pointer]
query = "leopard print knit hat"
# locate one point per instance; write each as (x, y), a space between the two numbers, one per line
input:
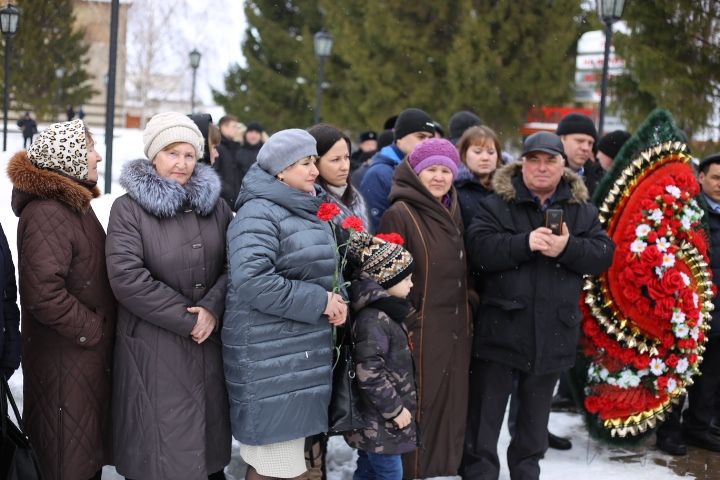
(62, 147)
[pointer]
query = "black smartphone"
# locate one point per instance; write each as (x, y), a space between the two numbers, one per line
(554, 220)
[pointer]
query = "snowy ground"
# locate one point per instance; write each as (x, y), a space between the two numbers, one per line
(587, 459)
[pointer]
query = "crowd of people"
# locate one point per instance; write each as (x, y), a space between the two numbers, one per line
(212, 306)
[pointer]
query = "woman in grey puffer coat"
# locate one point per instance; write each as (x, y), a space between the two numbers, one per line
(279, 309)
(166, 262)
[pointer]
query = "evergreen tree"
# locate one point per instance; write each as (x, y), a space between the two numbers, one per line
(388, 56)
(672, 59)
(276, 87)
(510, 56)
(45, 43)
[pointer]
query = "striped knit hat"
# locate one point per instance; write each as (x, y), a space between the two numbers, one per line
(387, 263)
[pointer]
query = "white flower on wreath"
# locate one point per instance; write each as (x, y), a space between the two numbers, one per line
(678, 316)
(668, 260)
(695, 300)
(686, 279)
(673, 190)
(686, 223)
(638, 246)
(662, 244)
(695, 333)
(642, 230)
(671, 385)
(682, 365)
(657, 366)
(604, 372)
(612, 381)
(628, 379)
(656, 215)
(659, 272)
(681, 330)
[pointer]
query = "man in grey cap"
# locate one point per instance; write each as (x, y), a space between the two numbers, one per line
(528, 324)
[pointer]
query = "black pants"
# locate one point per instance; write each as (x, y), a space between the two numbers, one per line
(490, 387)
(703, 394)
(702, 397)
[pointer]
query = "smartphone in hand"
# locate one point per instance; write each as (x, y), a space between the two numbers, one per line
(554, 220)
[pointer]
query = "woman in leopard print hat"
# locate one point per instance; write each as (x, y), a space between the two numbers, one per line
(68, 309)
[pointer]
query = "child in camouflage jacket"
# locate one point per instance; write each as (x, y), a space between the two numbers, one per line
(383, 357)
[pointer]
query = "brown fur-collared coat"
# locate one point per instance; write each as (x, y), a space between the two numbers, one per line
(441, 329)
(68, 321)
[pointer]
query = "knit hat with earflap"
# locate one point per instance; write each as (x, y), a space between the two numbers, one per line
(62, 147)
(435, 151)
(387, 263)
(171, 127)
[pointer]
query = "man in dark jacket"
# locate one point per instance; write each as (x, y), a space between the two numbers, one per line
(578, 135)
(529, 319)
(226, 163)
(28, 125)
(413, 126)
(248, 151)
(699, 422)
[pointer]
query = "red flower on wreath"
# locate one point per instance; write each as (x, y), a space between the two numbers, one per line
(391, 238)
(328, 211)
(353, 223)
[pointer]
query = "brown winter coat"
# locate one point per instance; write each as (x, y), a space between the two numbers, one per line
(440, 331)
(166, 252)
(68, 321)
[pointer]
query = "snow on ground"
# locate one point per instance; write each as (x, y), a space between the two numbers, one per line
(587, 459)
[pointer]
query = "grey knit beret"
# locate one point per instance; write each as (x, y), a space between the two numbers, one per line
(285, 148)
(171, 127)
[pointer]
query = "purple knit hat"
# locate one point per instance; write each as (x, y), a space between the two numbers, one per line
(435, 151)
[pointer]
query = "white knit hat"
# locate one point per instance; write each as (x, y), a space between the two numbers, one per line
(171, 127)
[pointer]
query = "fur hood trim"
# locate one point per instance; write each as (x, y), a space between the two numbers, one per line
(164, 197)
(33, 182)
(503, 186)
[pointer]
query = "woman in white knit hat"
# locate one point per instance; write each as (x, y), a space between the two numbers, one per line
(166, 263)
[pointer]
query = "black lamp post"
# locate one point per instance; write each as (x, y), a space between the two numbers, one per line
(610, 11)
(9, 17)
(194, 63)
(59, 74)
(323, 46)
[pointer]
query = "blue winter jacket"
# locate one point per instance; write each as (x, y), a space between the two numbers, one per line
(276, 340)
(377, 181)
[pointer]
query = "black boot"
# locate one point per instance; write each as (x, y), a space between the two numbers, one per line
(703, 439)
(558, 443)
(672, 443)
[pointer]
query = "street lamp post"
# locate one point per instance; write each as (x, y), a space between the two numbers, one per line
(194, 63)
(59, 74)
(323, 46)
(610, 11)
(9, 17)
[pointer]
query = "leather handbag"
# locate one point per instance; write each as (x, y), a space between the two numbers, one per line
(344, 411)
(18, 460)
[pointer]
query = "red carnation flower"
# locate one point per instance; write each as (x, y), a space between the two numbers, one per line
(328, 211)
(392, 238)
(672, 361)
(353, 223)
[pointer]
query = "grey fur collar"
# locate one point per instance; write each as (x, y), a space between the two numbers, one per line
(163, 197)
(503, 186)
